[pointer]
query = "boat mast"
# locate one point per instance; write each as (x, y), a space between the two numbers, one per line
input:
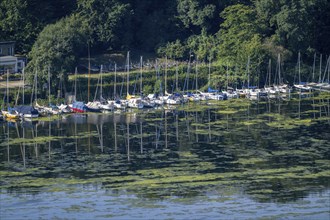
(89, 72)
(248, 71)
(115, 84)
(299, 67)
(127, 89)
(176, 76)
(196, 73)
(209, 73)
(320, 68)
(36, 88)
(23, 78)
(48, 85)
(270, 71)
(141, 69)
(235, 76)
(34, 85)
(227, 76)
(7, 82)
(328, 69)
(75, 84)
(314, 67)
(165, 74)
(101, 90)
(279, 68)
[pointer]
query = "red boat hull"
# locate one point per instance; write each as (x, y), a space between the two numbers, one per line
(77, 110)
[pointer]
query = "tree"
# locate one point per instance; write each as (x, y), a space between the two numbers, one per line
(202, 45)
(172, 50)
(15, 24)
(22, 20)
(293, 25)
(239, 35)
(195, 14)
(153, 24)
(104, 18)
(58, 47)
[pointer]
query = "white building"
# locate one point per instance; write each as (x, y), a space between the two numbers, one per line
(7, 59)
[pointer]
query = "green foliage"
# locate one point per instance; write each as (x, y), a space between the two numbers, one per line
(259, 29)
(104, 19)
(172, 50)
(193, 13)
(158, 87)
(147, 89)
(202, 45)
(57, 49)
(22, 20)
(240, 38)
(14, 19)
(151, 24)
(293, 25)
(239, 35)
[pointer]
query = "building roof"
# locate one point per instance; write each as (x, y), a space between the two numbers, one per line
(7, 42)
(7, 58)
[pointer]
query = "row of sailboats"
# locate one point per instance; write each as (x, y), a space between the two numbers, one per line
(275, 86)
(33, 109)
(321, 84)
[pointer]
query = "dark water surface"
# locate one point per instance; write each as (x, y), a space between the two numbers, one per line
(236, 159)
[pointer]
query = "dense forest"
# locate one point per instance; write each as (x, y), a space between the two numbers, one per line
(57, 34)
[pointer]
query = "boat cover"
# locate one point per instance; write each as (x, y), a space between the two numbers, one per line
(26, 109)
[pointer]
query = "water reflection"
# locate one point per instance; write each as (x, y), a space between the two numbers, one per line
(272, 150)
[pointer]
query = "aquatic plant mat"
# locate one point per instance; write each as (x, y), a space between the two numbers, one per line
(273, 154)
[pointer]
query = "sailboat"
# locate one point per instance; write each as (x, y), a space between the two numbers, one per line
(50, 109)
(301, 86)
(146, 101)
(77, 106)
(281, 86)
(132, 101)
(92, 106)
(197, 96)
(323, 84)
(270, 88)
(117, 102)
(10, 113)
(229, 93)
(101, 104)
(157, 97)
(253, 91)
(25, 111)
(212, 94)
(170, 99)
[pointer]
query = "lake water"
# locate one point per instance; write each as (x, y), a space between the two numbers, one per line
(236, 159)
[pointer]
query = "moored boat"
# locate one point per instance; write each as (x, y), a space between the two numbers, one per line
(78, 107)
(26, 111)
(93, 106)
(10, 114)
